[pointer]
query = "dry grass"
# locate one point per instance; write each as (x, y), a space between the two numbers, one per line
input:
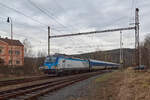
(137, 84)
(126, 85)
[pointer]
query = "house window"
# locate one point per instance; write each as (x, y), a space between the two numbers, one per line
(17, 52)
(10, 61)
(2, 61)
(0, 51)
(17, 62)
(10, 52)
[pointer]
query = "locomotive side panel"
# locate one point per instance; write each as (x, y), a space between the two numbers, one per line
(64, 63)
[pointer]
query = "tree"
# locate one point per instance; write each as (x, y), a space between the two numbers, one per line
(27, 48)
(41, 53)
(146, 51)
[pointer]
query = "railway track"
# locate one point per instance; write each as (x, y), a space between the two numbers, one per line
(31, 91)
(23, 80)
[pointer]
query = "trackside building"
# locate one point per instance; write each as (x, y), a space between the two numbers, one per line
(11, 52)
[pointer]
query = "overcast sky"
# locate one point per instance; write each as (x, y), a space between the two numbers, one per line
(31, 18)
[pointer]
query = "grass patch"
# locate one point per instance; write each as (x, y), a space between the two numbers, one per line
(104, 77)
(12, 78)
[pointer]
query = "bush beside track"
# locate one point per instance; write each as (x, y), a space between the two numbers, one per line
(30, 68)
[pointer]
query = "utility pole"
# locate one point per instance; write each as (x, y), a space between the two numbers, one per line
(48, 40)
(9, 20)
(137, 44)
(121, 51)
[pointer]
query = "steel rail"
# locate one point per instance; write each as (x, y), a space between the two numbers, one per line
(32, 89)
(56, 87)
(13, 93)
(29, 85)
(23, 80)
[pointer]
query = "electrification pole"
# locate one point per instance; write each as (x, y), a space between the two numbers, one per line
(48, 40)
(121, 51)
(137, 44)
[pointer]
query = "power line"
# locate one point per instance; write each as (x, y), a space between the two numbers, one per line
(43, 11)
(22, 14)
(3, 17)
(21, 35)
(70, 25)
(46, 13)
(62, 8)
(28, 37)
(105, 25)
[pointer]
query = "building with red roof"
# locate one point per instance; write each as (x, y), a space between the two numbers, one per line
(11, 52)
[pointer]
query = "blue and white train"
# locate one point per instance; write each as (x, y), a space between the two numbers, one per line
(61, 64)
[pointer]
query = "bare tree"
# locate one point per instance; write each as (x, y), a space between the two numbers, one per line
(146, 51)
(27, 48)
(41, 53)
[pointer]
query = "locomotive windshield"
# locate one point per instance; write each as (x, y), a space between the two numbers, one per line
(50, 59)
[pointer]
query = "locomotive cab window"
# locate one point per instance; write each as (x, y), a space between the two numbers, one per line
(50, 59)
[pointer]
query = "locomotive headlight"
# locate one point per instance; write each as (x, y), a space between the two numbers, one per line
(45, 67)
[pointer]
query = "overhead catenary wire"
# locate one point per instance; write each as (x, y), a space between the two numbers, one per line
(43, 29)
(40, 9)
(133, 7)
(44, 25)
(43, 11)
(89, 46)
(61, 7)
(24, 36)
(19, 12)
(105, 25)
(21, 35)
(27, 16)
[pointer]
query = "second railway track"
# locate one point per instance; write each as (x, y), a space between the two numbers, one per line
(30, 91)
(23, 80)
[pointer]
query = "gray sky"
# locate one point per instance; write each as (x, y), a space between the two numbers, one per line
(71, 16)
